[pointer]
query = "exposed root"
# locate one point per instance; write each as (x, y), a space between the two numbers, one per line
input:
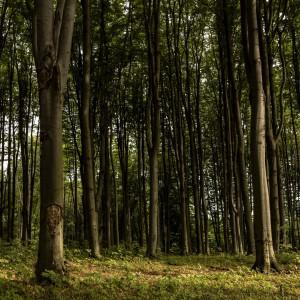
(266, 269)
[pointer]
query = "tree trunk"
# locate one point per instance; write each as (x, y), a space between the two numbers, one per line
(107, 191)
(241, 179)
(52, 47)
(24, 153)
(152, 27)
(270, 106)
(2, 193)
(265, 256)
(86, 137)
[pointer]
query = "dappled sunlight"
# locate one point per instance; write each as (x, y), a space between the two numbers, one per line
(167, 277)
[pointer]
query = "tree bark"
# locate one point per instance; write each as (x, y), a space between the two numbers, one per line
(52, 55)
(241, 179)
(265, 256)
(152, 27)
(86, 137)
(23, 137)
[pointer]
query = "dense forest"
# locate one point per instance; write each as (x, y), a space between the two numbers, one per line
(156, 128)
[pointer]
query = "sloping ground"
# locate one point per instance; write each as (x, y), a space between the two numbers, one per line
(119, 276)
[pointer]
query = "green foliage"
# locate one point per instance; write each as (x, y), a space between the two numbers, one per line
(120, 274)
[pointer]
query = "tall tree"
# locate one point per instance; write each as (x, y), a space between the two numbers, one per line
(23, 136)
(52, 48)
(86, 138)
(152, 27)
(265, 256)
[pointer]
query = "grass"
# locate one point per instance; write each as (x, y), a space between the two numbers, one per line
(126, 276)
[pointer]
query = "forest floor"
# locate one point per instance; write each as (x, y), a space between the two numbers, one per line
(132, 276)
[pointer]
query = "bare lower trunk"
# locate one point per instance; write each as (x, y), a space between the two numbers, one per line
(153, 222)
(50, 254)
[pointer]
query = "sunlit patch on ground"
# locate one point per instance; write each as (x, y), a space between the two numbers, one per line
(122, 276)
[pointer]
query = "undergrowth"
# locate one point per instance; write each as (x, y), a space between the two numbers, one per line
(129, 275)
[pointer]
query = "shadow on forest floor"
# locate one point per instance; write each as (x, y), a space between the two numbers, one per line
(122, 276)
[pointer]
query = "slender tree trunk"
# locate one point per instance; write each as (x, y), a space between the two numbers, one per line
(2, 193)
(76, 211)
(87, 153)
(270, 106)
(265, 257)
(203, 218)
(140, 186)
(14, 184)
(114, 195)
(9, 148)
(192, 144)
(33, 165)
(107, 191)
(145, 207)
(152, 27)
(235, 102)
(24, 154)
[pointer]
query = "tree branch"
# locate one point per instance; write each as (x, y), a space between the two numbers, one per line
(65, 41)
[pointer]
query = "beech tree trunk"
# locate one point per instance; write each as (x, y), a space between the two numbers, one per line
(241, 178)
(23, 136)
(265, 256)
(271, 127)
(152, 27)
(86, 138)
(2, 192)
(52, 48)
